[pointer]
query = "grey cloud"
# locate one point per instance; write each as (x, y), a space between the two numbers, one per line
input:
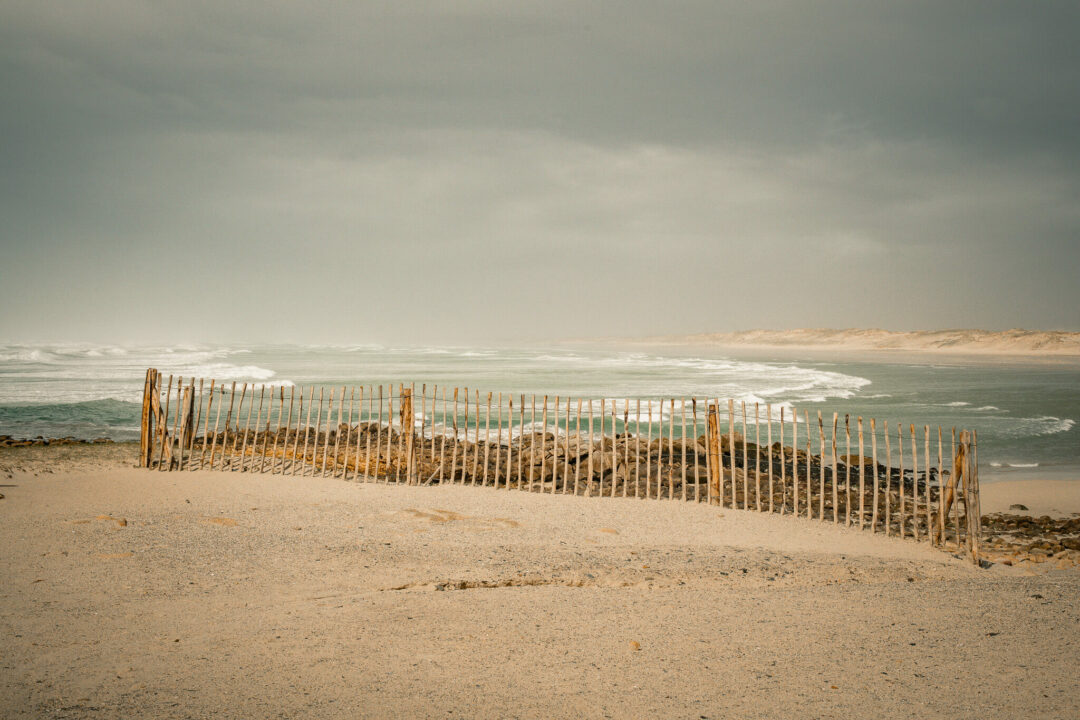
(537, 171)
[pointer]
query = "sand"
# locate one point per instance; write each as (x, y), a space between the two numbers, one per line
(1017, 343)
(1056, 498)
(133, 593)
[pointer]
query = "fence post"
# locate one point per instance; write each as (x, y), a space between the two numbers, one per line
(715, 470)
(406, 412)
(976, 505)
(146, 433)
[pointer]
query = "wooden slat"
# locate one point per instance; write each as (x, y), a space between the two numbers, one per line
(697, 462)
(465, 444)
(555, 450)
(977, 513)
(521, 443)
(745, 460)
(648, 455)
(862, 476)
(783, 464)
(903, 499)
(217, 420)
(178, 427)
(198, 420)
(317, 430)
(186, 409)
(307, 427)
(682, 418)
(847, 470)
(588, 479)
(768, 441)
(914, 484)
(247, 428)
(637, 449)
(713, 458)
(577, 448)
(228, 426)
(255, 435)
(359, 432)
(926, 469)
(242, 441)
(266, 432)
(487, 440)
(293, 464)
(671, 449)
(378, 438)
(457, 441)
(835, 479)
(757, 456)
(566, 454)
(708, 456)
(329, 422)
(166, 446)
(498, 444)
(821, 467)
(731, 452)
(941, 489)
(873, 457)
(144, 420)
(795, 462)
(615, 447)
(888, 480)
(603, 421)
(809, 483)
(476, 445)
(442, 445)
(277, 434)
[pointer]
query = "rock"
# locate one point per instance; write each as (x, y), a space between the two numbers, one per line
(1018, 506)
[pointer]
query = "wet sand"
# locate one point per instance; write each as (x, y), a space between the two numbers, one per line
(135, 593)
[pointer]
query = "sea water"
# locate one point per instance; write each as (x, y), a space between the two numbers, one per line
(1025, 412)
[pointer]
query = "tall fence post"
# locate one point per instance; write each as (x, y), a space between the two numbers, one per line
(715, 469)
(406, 411)
(146, 433)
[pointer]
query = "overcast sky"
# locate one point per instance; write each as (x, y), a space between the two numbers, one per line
(471, 171)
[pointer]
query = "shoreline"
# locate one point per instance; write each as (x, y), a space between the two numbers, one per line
(975, 345)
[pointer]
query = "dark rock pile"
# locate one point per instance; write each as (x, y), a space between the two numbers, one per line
(623, 465)
(9, 441)
(1025, 540)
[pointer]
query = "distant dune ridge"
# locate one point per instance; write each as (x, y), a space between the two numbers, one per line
(1003, 342)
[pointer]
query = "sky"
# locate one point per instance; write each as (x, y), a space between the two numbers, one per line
(479, 171)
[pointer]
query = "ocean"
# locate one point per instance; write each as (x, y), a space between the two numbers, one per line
(1025, 412)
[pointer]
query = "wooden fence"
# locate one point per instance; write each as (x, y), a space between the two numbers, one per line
(746, 456)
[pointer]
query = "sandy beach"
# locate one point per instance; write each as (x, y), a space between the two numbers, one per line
(137, 593)
(1014, 344)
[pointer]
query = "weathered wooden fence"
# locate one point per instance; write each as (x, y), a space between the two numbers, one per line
(746, 457)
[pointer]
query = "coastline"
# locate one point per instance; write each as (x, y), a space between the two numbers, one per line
(1010, 345)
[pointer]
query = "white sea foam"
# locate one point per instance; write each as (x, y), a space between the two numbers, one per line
(223, 371)
(1046, 425)
(958, 403)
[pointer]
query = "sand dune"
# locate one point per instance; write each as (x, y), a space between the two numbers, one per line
(1004, 342)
